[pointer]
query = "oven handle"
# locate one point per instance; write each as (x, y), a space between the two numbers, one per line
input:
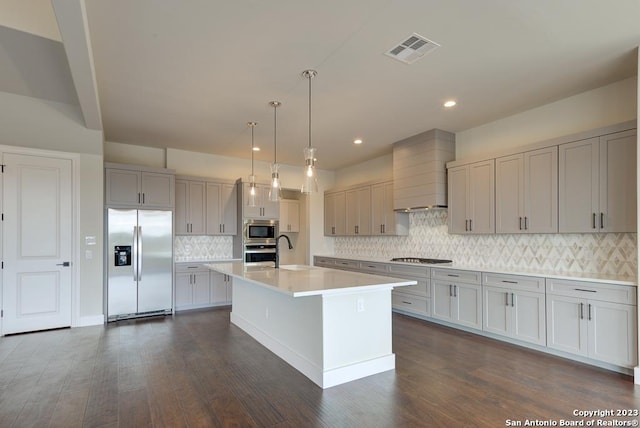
(269, 250)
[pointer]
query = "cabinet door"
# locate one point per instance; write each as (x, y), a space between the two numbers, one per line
(157, 189)
(201, 296)
(497, 311)
(612, 332)
(214, 223)
(441, 300)
(229, 209)
(378, 209)
(482, 197)
(510, 194)
(457, 199)
(270, 209)
(541, 191)
(218, 287)
(352, 211)
(289, 216)
(123, 187)
(196, 207)
(618, 182)
(181, 209)
(340, 209)
(528, 317)
(467, 300)
(329, 214)
(578, 178)
(184, 290)
(566, 325)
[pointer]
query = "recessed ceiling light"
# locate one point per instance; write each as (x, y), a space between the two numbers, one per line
(449, 104)
(256, 149)
(357, 141)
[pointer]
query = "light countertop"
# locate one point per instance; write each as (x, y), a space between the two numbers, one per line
(302, 280)
(590, 277)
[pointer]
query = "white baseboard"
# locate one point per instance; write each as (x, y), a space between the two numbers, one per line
(322, 378)
(636, 375)
(90, 320)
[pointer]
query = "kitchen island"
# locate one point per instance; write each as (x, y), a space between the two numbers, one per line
(332, 326)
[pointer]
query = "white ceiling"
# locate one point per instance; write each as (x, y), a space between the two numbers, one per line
(189, 75)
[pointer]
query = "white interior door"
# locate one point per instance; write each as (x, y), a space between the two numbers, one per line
(37, 244)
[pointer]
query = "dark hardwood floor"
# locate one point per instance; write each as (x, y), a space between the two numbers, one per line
(198, 370)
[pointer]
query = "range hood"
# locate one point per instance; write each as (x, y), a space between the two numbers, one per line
(420, 172)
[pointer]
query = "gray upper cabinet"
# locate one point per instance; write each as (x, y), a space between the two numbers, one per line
(597, 184)
(264, 208)
(527, 192)
(190, 207)
(334, 213)
(384, 220)
(222, 206)
(358, 210)
(132, 186)
(472, 198)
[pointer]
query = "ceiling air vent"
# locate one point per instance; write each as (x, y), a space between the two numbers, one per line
(412, 49)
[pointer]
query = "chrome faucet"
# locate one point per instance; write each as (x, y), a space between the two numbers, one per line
(278, 248)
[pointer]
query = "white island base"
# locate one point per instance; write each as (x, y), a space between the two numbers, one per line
(331, 335)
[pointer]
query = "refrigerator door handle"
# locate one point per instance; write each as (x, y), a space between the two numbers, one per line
(139, 253)
(134, 256)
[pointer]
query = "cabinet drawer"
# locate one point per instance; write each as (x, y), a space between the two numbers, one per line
(374, 267)
(324, 261)
(412, 271)
(468, 276)
(347, 264)
(516, 282)
(409, 303)
(421, 289)
(190, 267)
(592, 291)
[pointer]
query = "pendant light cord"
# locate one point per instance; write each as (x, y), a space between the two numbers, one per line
(310, 76)
(252, 147)
(275, 125)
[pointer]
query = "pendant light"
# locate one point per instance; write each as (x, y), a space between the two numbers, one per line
(275, 192)
(251, 197)
(310, 181)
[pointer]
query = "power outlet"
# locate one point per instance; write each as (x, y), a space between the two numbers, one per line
(360, 304)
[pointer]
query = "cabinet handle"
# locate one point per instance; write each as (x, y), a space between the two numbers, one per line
(593, 225)
(601, 220)
(406, 303)
(333, 230)
(509, 282)
(589, 312)
(143, 198)
(470, 225)
(512, 302)
(520, 222)
(453, 275)
(526, 226)
(581, 311)
(357, 230)
(139, 200)
(588, 291)
(466, 225)
(455, 291)
(450, 290)
(506, 299)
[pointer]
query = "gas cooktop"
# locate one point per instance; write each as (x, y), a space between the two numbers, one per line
(420, 260)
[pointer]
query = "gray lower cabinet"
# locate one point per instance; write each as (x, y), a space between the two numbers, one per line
(514, 307)
(592, 320)
(412, 298)
(197, 287)
(456, 297)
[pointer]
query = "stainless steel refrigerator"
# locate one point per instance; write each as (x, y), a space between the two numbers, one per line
(139, 263)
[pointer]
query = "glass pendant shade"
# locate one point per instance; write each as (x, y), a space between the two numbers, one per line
(275, 191)
(310, 180)
(251, 196)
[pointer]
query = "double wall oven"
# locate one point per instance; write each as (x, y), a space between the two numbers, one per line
(259, 240)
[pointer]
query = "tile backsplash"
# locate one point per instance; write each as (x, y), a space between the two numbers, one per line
(190, 248)
(603, 253)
